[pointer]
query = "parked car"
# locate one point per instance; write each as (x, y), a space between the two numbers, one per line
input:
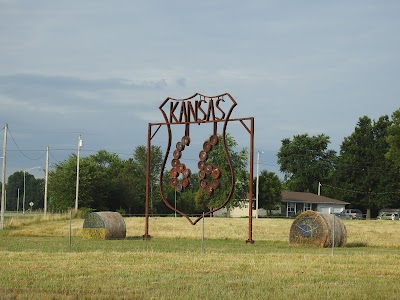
(388, 216)
(342, 215)
(354, 213)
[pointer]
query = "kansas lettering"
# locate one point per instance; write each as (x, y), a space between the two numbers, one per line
(197, 111)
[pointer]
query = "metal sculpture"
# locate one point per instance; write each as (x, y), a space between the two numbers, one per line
(196, 110)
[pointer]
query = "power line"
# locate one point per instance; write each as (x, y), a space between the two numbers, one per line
(26, 150)
(54, 157)
(30, 158)
(70, 149)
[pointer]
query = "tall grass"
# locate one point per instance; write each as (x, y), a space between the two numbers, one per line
(37, 262)
(28, 219)
(380, 233)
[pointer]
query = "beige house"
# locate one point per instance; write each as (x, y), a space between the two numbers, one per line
(239, 212)
(297, 202)
(293, 202)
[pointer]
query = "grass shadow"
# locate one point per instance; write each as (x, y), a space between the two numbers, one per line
(356, 245)
(134, 238)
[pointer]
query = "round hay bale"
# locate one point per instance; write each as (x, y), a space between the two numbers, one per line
(104, 225)
(316, 228)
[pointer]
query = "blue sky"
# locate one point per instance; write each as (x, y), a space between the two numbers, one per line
(102, 68)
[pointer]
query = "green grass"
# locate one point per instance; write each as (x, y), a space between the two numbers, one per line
(37, 262)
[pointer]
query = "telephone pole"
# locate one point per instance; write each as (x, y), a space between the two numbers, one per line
(257, 182)
(3, 180)
(80, 143)
(46, 181)
(18, 200)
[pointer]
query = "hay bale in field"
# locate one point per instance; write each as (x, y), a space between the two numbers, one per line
(316, 228)
(104, 225)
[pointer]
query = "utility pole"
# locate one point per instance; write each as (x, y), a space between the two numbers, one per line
(80, 143)
(175, 203)
(319, 188)
(23, 196)
(3, 180)
(46, 181)
(258, 163)
(18, 200)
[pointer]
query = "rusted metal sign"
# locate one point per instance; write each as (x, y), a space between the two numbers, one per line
(193, 111)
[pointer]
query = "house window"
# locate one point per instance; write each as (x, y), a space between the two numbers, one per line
(307, 206)
(291, 207)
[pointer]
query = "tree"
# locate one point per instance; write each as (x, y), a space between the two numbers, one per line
(393, 139)
(34, 188)
(305, 161)
(105, 181)
(61, 185)
(365, 177)
(139, 162)
(270, 190)
(97, 187)
(15, 186)
(130, 191)
(105, 189)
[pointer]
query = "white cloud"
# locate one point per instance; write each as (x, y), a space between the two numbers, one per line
(153, 116)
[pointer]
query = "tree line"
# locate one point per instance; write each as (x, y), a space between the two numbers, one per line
(365, 173)
(107, 182)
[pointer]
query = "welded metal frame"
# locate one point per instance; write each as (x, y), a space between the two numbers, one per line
(187, 115)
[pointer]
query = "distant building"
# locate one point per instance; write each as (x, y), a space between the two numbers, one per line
(293, 203)
(297, 202)
(243, 211)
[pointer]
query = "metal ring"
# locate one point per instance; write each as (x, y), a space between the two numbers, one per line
(204, 183)
(175, 163)
(216, 173)
(202, 174)
(208, 190)
(173, 182)
(179, 187)
(181, 168)
(207, 146)
(174, 173)
(177, 154)
(214, 139)
(201, 165)
(180, 146)
(186, 140)
(185, 182)
(203, 155)
(215, 184)
(186, 173)
(209, 168)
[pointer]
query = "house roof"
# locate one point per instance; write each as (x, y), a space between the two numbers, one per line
(308, 198)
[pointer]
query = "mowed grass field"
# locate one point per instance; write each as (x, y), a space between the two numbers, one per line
(40, 261)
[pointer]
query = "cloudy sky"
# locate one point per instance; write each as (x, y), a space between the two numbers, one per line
(102, 68)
